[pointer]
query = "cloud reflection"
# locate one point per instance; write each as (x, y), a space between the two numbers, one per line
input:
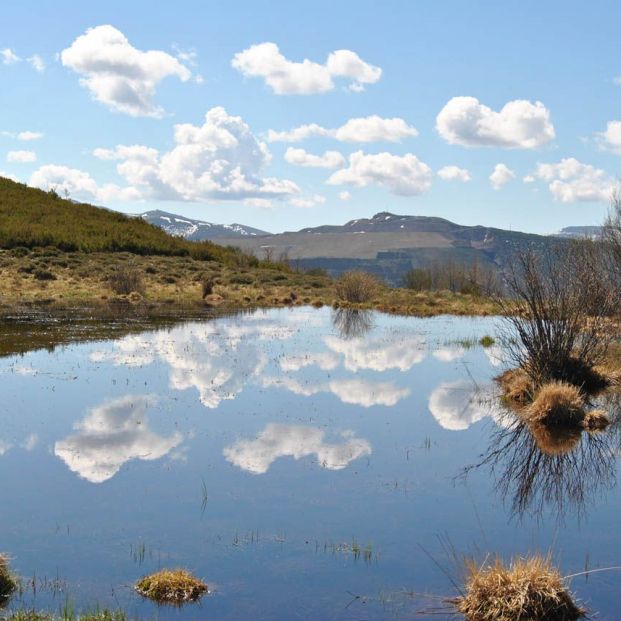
(275, 441)
(111, 435)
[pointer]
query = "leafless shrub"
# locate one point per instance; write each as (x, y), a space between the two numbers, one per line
(357, 287)
(126, 279)
(558, 313)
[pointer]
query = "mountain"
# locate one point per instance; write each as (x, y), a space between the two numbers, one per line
(198, 230)
(389, 245)
(580, 232)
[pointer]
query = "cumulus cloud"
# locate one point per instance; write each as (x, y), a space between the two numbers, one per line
(307, 202)
(372, 128)
(501, 175)
(345, 195)
(454, 173)
(611, 138)
(367, 394)
(79, 184)
(520, 124)
(36, 62)
(449, 354)
(218, 160)
(378, 354)
(111, 435)
(300, 157)
(27, 136)
(21, 157)
(9, 57)
(117, 74)
(276, 441)
(286, 77)
(404, 175)
(570, 180)
(458, 405)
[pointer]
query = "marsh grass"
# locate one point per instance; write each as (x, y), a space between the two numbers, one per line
(526, 589)
(8, 582)
(557, 403)
(171, 586)
(357, 287)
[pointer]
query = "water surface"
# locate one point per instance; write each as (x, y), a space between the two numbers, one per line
(306, 465)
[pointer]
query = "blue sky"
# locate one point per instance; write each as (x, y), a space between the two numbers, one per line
(184, 106)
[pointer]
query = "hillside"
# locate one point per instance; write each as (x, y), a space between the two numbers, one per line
(198, 230)
(389, 245)
(580, 232)
(33, 218)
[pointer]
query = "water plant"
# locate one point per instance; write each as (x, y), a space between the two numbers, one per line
(171, 586)
(8, 582)
(526, 588)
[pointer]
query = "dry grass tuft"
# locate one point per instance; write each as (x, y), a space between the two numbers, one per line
(555, 439)
(595, 420)
(357, 287)
(526, 590)
(557, 403)
(516, 386)
(171, 586)
(8, 583)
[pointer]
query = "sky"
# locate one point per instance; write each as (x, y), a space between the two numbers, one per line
(283, 115)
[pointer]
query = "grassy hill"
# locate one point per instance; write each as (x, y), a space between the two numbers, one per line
(33, 218)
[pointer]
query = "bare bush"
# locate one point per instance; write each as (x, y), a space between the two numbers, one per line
(357, 287)
(207, 286)
(559, 313)
(126, 279)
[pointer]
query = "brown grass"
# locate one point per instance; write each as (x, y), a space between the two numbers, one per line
(557, 403)
(516, 386)
(527, 590)
(8, 583)
(357, 287)
(555, 439)
(595, 420)
(171, 586)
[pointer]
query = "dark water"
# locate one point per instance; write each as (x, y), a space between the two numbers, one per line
(305, 467)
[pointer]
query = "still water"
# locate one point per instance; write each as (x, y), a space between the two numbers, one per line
(306, 465)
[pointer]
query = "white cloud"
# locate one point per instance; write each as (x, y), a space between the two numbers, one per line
(378, 354)
(22, 157)
(528, 179)
(298, 133)
(218, 160)
(306, 202)
(119, 75)
(8, 175)
(36, 62)
(404, 175)
(570, 180)
(367, 394)
(300, 157)
(520, 124)
(5, 447)
(79, 184)
(27, 136)
(449, 354)
(111, 435)
(263, 203)
(326, 361)
(501, 175)
(296, 441)
(9, 57)
(611, 138)
(454, 173)
(286, 77)
(372, 128)
(30, 443)
(345, 195)
(458, 405)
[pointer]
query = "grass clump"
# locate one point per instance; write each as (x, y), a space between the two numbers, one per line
(517, 387)
(528, 589)
(8, 582)
(595, 420)
(171, 586)
(125, 280)
(357, 287)
(487, 341)
(557, 403)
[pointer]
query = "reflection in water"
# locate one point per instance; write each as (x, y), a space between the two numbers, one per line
(457, 405)
(449, 354)
(111, 435)
(351, 323)
(353, 391)
(538, 466)
(295, 441)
